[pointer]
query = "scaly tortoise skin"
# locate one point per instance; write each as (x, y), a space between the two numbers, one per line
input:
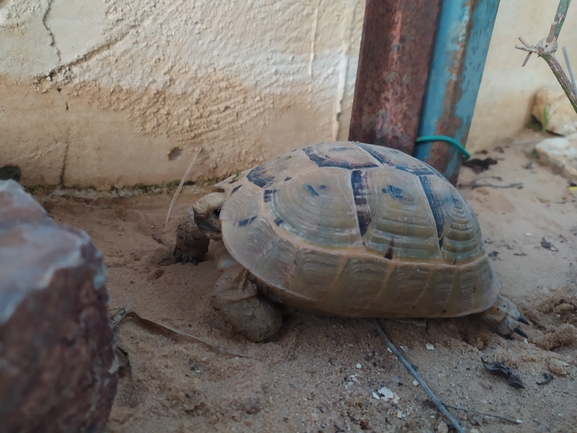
(345, 229)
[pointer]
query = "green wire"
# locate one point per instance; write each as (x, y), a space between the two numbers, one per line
(427, 138)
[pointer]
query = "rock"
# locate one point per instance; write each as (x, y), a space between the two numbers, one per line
(554, 111)
(561, 154)
(17, 207)
(252, 406)
(58, 370)
(443, 427)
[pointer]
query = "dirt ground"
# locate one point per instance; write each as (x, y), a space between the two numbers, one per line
(322, 374)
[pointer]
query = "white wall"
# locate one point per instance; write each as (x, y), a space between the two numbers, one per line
(98, 92)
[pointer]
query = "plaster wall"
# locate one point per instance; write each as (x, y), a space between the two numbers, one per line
(118, 92)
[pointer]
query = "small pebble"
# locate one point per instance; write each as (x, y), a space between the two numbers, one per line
(386, 393)
(359, 365)
(443, 427)
(430, 347)
(252, 406)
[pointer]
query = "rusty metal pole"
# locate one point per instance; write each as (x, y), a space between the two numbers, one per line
(461, 45)
(396, 49)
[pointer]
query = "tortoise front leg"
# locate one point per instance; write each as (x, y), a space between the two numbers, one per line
(191, 243)
(236, 300)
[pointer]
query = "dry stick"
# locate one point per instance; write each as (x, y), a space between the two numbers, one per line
(569, 68)
(560, 17)
(124, 312)
(119, 316)
(474, 185)
(434, 398)
(513, 421)
(546, 49)
(180, 187)
(562, 79)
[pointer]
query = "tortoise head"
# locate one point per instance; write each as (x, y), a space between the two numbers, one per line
(207, 212)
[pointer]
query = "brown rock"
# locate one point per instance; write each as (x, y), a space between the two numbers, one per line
(553, 109)
(58, 370)
(560, 153)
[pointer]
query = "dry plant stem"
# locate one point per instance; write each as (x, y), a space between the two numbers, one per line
(474, 185)
(562, 79)
(180, 188)
(122, 313)
(570, 69)
(119, 316)
(546, 49)
(512, 421)
(425, 387)
(189, 337)
(560, 17)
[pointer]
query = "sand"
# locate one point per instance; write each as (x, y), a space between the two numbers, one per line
(321, 374)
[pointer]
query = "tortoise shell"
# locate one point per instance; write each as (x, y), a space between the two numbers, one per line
(357, 230)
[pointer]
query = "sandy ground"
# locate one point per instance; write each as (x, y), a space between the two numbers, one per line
(320, 373)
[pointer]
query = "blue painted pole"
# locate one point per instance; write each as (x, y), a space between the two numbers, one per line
(461, 44)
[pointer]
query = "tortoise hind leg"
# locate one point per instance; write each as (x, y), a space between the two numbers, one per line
(236, 300)
(504, 316)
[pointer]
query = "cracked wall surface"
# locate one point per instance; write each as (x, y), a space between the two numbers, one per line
(98, 93)
(118, 92)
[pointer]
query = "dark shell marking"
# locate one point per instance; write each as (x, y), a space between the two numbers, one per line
(436, 205)
(260, 177)
(246, 221)
(358, 183)
(311, 190)
(268, 194)
(394, 192)
(324, 160)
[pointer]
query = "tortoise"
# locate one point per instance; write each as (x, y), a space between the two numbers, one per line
(345, 229)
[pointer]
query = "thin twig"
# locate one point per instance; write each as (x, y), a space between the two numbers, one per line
(119, 316)
(122, 313)
(433, 397)
(560, 17)
(569, 68)
(546, 49)
(512, 421)
(562, 78)
(180, 187)
(474, 185)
